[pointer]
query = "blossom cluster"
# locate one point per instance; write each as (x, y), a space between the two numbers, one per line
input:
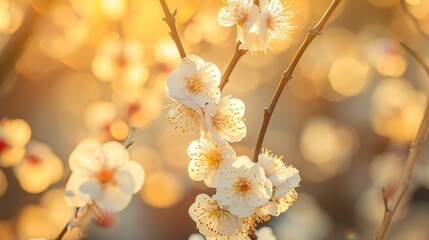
(247, 193)
(34, 164)
(257, 23)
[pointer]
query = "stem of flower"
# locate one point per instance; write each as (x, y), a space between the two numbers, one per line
(170, 19)
(237, 55)
(413, 154)
(129, 141)
(287, 75)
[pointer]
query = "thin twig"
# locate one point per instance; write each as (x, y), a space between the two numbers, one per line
(237, 55)
(287, 75)
(385, 201)
(416, 56)
(407, 174)
(129, 141)
(63, 232)
(170, 19)
(414, 19)
(15, 46)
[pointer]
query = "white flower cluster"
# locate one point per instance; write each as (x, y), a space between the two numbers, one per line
(257, 24)
(247, 193)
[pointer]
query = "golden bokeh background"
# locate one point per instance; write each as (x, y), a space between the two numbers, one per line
(91, 69)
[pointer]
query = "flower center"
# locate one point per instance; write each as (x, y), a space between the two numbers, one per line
(133, 108)
(194, 84)
(105, 175)
(270, 23)
(242, 19)
(33, 159)
(242, 186)
(3, 145)
(214, 158)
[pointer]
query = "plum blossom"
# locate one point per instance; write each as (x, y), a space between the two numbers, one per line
(274, 23)
(284, 178)
(244, 188)
(225, 120)
(14, 135)
(102, 174)
(207, 160)
(242, 13)
(214, 220)
(184, 118)
(194, 83)
(39, 169)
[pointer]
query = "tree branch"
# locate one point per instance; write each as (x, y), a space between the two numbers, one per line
(287, 75)
(237, 55)
(15, 46)
(413, 154)
(414, 19)
(129, 141)
(170, 19)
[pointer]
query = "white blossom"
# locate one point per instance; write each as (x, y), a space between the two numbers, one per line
(194, 83)
(265, 233)
(102, 174)
(244, 189)
(225, 120)
(207, 160)
(184, 118)
(274, 22)
(214, 220)
(242, 13)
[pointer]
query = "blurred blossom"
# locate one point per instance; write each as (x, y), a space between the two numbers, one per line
(348, 76)
(103, 174)
(265, 233)
(196, 236)
(328, 145)
(114, 9)
(369, 209)
(166, 50)
(121, 61)
(55, 207)
(398, 117)
(11, 16)
(386, 169)
(391, 65)
(162, 189)
(33, 222)
(14, 135)
(198, 31)
(99, 116)
(61, 32)
(305, 221)
(3, 184)
(141, 107)
(39, 169)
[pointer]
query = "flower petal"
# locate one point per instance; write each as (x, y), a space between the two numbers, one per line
(86, 158)
(116, 154)
(113, 199)
(137, 174)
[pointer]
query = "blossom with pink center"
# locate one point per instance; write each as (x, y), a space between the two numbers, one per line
(194, 83)
(244, 188)
(274, 22)
(14, 135)
(102, 174)
(242, 13)
(39, 169)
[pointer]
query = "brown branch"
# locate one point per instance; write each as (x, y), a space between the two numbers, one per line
(287, 75)
(414, 19)
(407, 174)
(15, 46)
(416, 56)
(170, 19)
(237, 55)
(63, 232)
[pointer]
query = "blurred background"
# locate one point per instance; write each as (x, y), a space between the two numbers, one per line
(75, 69)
